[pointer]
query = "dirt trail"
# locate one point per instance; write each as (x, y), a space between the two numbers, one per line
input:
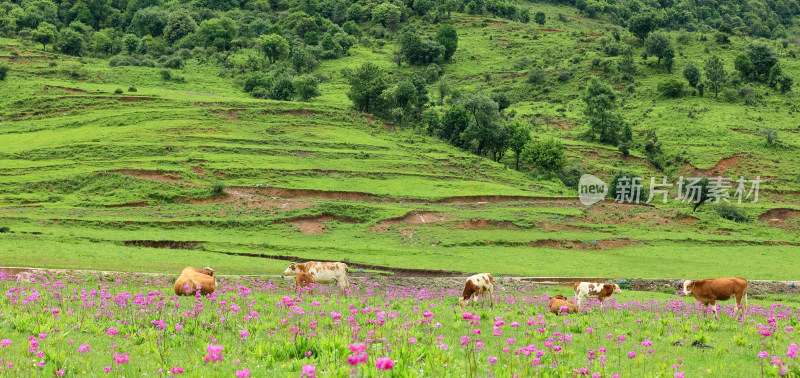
(68, 90)
(721, 166)
(315, 224)
(412, 218)
(779, 214)
(285, 193)
(170, 244)
(172, 177)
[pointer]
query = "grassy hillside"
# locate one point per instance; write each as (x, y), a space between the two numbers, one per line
(199, 172)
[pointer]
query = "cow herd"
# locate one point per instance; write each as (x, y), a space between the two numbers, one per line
(707, 291)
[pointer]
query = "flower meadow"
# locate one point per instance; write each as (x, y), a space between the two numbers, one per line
(135, 325)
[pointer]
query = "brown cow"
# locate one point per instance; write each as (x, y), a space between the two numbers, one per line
(598, 290)
(711, 290)
(478, 284)
(192, 278)
(304, 279)
(559, 301)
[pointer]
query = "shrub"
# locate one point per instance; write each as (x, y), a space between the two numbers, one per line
(537, 76)
(130, 60)
(732, 212)
(3, 71)
(132, 89)
(259, 92)
(670, 87)
(571, 175)
(166, 75)
(218, 188)
(771, 135)
(5, 229)
(118, 91)
(174, 63)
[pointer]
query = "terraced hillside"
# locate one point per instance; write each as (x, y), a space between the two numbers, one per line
(197, 172)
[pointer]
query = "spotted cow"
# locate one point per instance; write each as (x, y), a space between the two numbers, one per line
(478, 284)
(596, 290)
(323, 272)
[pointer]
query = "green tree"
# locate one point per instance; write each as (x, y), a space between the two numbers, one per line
(484, 122)
(539, 17)
(149, 21)
(70, 42)
(763, 58)
(605, 126)
(217, 32)
(366, 85)
(454, 122)
(307, 87)
(45, 34)
(715, 73)
(344, 42)
(411, 46)
(775, 74)
(444, 90)
(659, 45)
(447, 37)
(101, 43)
(743, 64)
(501, 99)
(282, 87)
(519, 134)
(547, 155)
(130, 43)
(386, 14)
(274, 47)
(642, 24)
(692, 74)
(179, 24)
(431, 121)
(626, 64)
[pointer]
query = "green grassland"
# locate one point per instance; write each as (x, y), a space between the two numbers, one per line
(84, 170)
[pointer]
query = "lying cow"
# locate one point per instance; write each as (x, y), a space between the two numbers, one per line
(323, 272)
(304, 280)
(559, 302)
(478, 284)
(191, 278)
(711, 290)
(595, 290)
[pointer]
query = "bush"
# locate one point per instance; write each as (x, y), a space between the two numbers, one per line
(132, 89)
(5, 229)
(571, 175)
(732, 212)
(771, 135)
(259, 92)
(118, 91)
(175, 63)
(537, 76)
(218, 188)
(3, 71)
(130, 60)
(670, 87)
(166, 75)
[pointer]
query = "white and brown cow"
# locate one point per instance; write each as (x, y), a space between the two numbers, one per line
(323, 272)
(597, 290)
(191, 278)
(479, 284)
(711, 290)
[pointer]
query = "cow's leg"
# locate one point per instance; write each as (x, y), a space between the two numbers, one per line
(739, 308)
(714, 307)
(491, 296)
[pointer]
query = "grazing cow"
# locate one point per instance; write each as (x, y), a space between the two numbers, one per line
(478, 284)
(559, 301)
(709, 291)
(323, 272)
(304, 279)
(597, 290)
(191, 278)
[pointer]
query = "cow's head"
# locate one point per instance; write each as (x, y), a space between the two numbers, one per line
(688, 285)
(563, 298)
(617, 290)
(293, 269)
(208, 271)
(463, 302)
